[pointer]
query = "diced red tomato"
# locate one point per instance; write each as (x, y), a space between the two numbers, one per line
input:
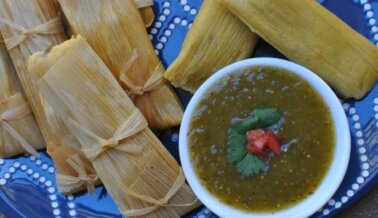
(255, 150)
(260, 140)
(272, 142)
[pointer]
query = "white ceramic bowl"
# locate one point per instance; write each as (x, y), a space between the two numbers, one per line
(331, 180)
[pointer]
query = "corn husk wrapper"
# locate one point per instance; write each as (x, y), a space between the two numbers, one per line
(309, 34)
(20, 134)
(137, 171)
(216, 39)
(115, 30)
(27, 27)
(145, 9)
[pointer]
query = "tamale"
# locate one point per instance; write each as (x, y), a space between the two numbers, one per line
(19, 132)
(115, 30)
(145, 9)
(216, 39)
(310, 35)
(27, 27)
(137, 171)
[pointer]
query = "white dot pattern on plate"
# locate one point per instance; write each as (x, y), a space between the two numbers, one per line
(355, 186)
(365, 173)
(360, 180)
(331, 202)
(56, 212)
(42, 179)
(166, 34)
(48, 183)
(344, 199)
(12, 169)
(23, 167)
(71, 205)
(51, 190)
(38, 162)
(51, 170)
(36, 176)
(355, 118)
(16, 164)
(350, 193)
(337, 205)
(54, 204)
(52, 197)
(3, 182)
(72, 213)
(362, 150)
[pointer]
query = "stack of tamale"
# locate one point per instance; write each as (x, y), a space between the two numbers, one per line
(138, 172)
(309, 34)
(216, 39)
(115, 30)
(31, 26)
(19, 132)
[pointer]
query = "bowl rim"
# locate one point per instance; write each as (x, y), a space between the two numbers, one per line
(331, 180)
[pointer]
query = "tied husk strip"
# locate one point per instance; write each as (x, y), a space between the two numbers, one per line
(70, 179)
(216, 39)
(17, 112)
(91, 97)
(131, 126)
(155, 82)
(310, 35)
(145, 9)
(29, 15)
(116, 32)
(19, 132)
(155, 170)
(53, 26)
(68, 183)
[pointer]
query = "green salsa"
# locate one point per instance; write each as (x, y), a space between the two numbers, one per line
(291, 176)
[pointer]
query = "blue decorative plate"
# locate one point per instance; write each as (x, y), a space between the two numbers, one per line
(28, 187)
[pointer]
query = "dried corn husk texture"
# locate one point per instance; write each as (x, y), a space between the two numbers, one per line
(137, 171)
(309, 34)
(115, 30)
(19, 132)
(145, 9)
(27, 27)
(216, 39)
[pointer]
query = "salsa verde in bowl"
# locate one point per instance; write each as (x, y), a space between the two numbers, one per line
(264, 137)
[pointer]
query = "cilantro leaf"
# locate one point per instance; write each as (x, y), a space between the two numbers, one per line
(245, 162)
(236, 146)
(245, 125)
(250, 165)
(262, 118)
(267, 116)
(235, 139)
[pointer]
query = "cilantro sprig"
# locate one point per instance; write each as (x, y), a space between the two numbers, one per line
(245, 162)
